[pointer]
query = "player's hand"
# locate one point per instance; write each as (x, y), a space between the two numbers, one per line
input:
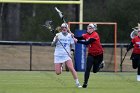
(56, 37)
(75, 40)
(72, 52)
(72, 34)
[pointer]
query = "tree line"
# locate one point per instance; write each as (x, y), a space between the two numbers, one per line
(23, 22)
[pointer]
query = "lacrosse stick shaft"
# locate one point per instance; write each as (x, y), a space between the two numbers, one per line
(123, 61)
(62, 17)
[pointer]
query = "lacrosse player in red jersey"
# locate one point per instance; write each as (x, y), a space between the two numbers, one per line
(63, 42)
(135, 57)
(95, 51)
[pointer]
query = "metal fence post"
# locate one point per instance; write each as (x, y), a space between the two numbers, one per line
(121, 57)
(30, 56)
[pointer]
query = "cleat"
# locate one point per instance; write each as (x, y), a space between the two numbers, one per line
(78, 85)
(102, 65)
(84, 86)
(138, 77)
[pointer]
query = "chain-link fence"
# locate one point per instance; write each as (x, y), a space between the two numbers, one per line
(39, 56)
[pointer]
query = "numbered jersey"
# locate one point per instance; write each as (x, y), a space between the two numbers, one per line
(65, 43)
(136, 42)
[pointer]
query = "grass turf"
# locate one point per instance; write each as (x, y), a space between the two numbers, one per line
(49, 82)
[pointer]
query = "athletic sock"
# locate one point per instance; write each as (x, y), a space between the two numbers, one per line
(76, 81)
(138, 77)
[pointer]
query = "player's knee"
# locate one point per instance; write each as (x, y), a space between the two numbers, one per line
(71, 69)
(58, 72)
(95, 71)
(134, 67)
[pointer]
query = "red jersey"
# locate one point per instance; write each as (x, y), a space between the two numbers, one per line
(136, 42)
(95, 48)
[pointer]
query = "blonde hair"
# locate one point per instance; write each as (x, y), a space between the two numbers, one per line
(58, 29)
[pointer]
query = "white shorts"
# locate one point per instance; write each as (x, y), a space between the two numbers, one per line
(61, 59)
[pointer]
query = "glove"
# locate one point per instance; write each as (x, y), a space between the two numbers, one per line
(75, 40)
(72, 50)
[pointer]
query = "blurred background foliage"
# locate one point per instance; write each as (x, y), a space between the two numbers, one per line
(23, 22)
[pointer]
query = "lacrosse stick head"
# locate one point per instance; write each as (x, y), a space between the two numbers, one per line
(49, 26)
(58, 29)
(134, 33)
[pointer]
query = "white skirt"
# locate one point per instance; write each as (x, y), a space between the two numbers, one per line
(61, 59)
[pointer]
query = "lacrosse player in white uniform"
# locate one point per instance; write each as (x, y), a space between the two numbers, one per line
(63, 42)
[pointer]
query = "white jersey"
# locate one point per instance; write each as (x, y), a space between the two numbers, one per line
(66, 41)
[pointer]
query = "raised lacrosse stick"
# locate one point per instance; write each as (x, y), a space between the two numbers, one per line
(62, 17)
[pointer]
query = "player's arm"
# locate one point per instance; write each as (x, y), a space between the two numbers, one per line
(73, 47)
(72, 44)
(54, 41)
(86, 42)
(79, 38)
(130, 46)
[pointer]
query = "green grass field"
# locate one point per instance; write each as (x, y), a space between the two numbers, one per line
(48, 82)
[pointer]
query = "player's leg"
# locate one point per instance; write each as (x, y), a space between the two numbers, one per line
(138, 71)
(58, 62)
(102, 65)
(98, 63)
(138, 74)
(89, 64)
(134, 61)
(136, 64)
(58, 68)
(70, 66)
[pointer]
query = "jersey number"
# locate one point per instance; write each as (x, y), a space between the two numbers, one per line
(65, 44)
